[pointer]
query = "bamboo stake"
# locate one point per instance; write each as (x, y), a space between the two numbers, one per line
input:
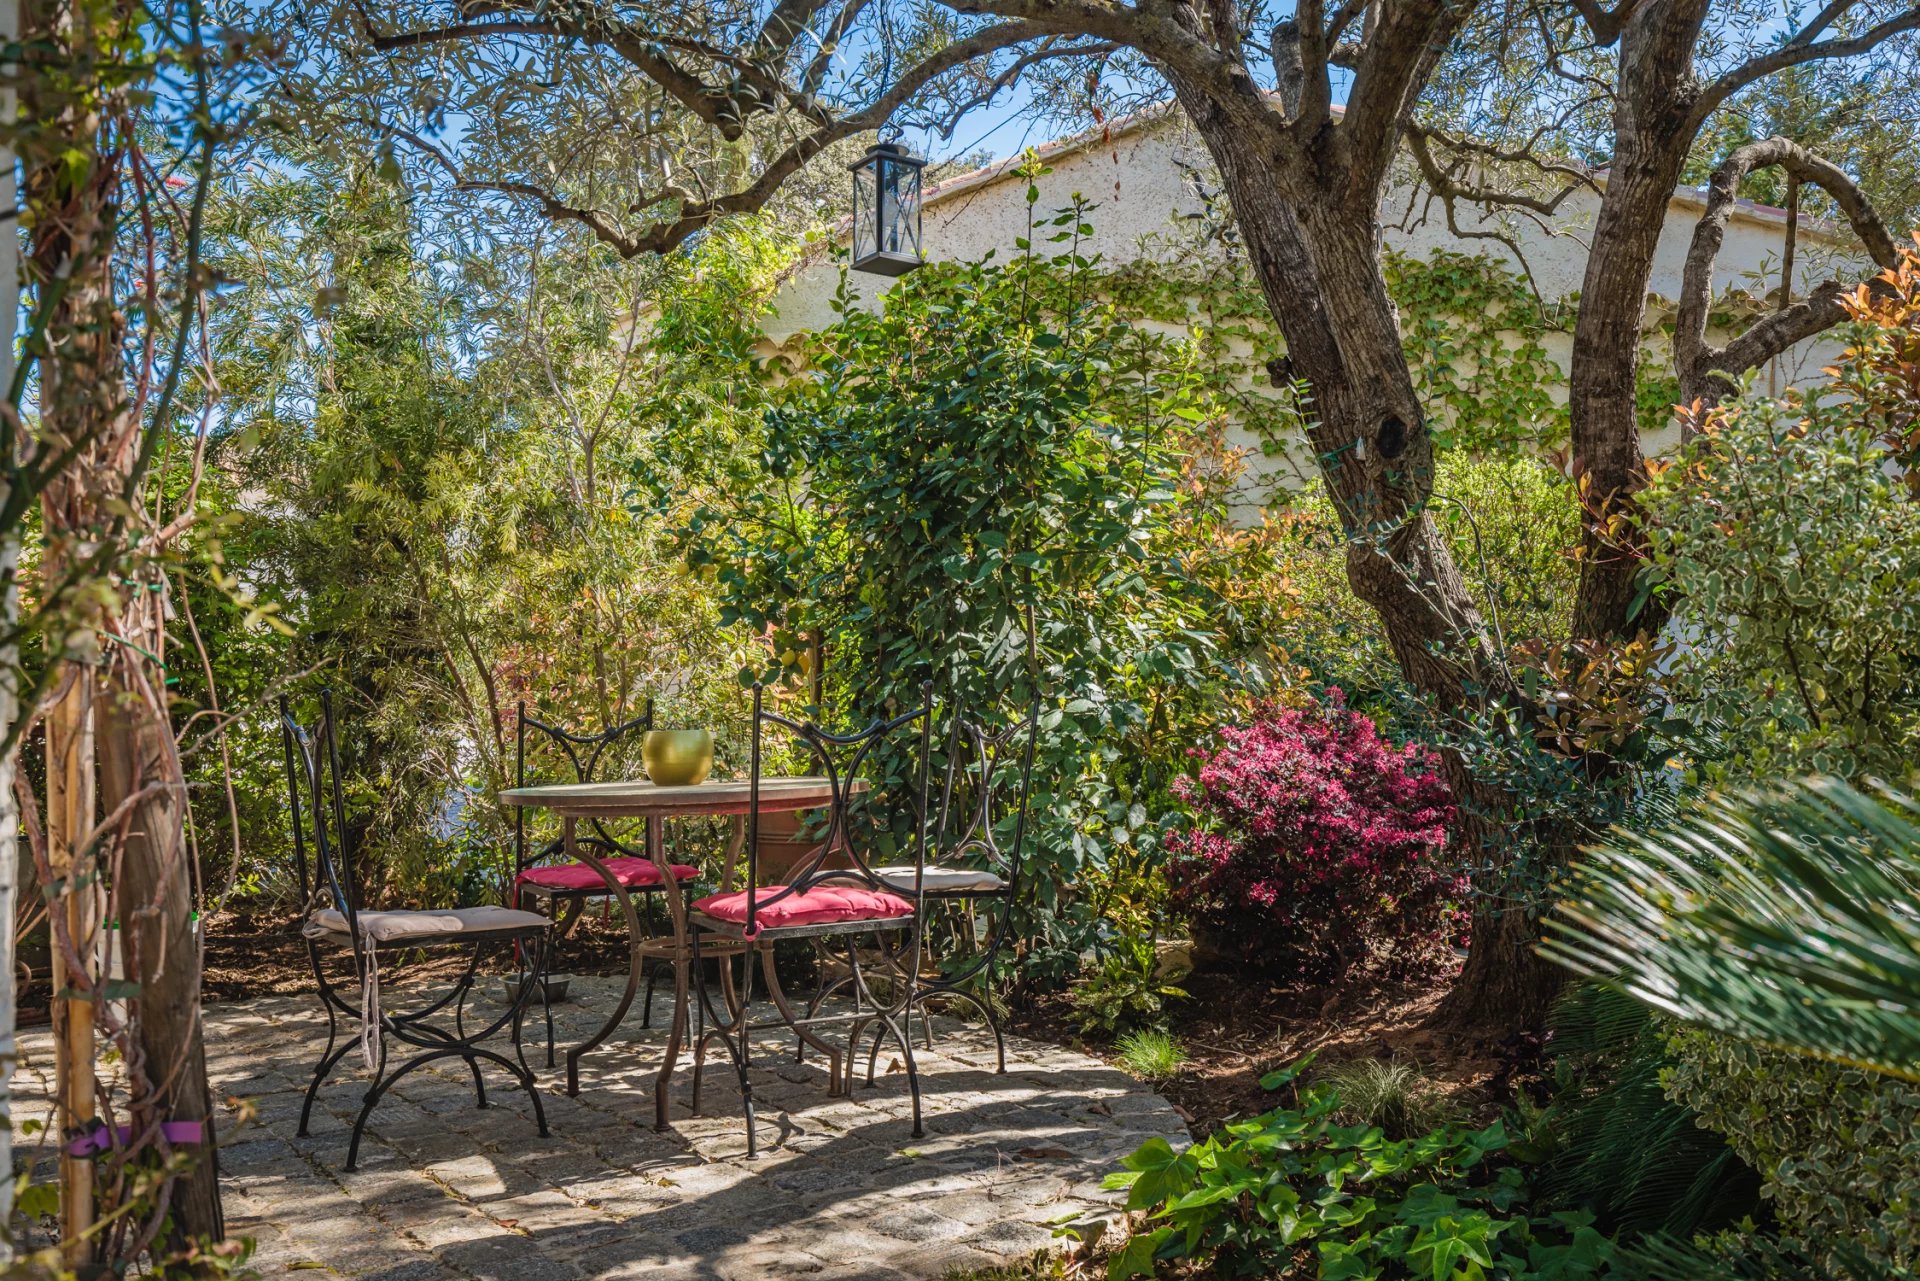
(70, 814)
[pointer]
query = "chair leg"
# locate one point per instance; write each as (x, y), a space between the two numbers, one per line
(913, 1071)
(902, 1030)
(381, 1082)
(646, 1007)
(327, 1063)
(726, 1030)
(479, 1087)
(546, 1008)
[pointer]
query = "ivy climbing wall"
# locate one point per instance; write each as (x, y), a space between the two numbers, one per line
(1488, 333)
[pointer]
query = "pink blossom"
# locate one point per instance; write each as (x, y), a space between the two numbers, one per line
(1314, 839)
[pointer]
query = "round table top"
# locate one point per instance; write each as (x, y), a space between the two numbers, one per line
(638, 798)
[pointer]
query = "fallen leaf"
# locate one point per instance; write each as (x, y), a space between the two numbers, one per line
(1099, 1109)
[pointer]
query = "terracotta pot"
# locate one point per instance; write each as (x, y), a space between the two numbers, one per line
(781, 846)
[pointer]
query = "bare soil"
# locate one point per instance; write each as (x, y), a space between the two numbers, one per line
(1235, 1031)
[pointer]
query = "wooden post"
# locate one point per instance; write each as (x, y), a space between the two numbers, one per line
(70, 819)
(9, 653)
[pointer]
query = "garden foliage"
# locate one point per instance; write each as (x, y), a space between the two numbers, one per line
(422, 459)
(1128, 990)
(1790, 536)
(1838, 1147)
(1000, 485)
(1293, 1192)
(1315, 843)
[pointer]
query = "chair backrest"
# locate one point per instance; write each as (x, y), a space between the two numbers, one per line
(318, 810)
(843, 759)
(584, 755)
(974, 796)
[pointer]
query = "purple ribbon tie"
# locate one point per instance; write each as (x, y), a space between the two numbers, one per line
(97, 1140)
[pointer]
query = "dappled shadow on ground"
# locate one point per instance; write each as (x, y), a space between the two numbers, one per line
(446, 1190)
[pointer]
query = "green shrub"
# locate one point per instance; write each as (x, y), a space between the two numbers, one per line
(1838, 1148)
(1392, 1096)
(1129, 990)
(1791, 543)
(1272, 1196)
(1150, 1055)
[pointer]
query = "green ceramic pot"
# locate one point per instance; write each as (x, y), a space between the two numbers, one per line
(678, 757)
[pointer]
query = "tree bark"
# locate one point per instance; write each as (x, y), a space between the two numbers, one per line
(1317, 261)
(70, 186)
(73, 182)
(1653, 132)
(159, 935)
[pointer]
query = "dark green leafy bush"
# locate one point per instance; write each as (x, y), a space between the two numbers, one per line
(1294, 1193)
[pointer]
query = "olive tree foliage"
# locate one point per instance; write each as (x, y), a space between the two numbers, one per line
(674, 114)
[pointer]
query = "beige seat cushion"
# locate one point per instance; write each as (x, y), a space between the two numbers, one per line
(942, 880)
(383, 927)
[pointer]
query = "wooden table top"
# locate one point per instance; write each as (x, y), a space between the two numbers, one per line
(638, 798)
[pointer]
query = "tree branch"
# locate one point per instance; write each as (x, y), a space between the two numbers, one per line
(722, 110)
(1802, 49)
(695, 215)
(1398, 54)
(1606, 24)
(1707, 372)
(945, 122)
(1449, 187)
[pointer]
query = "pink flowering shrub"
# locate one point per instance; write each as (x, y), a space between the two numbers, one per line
(1314, 841)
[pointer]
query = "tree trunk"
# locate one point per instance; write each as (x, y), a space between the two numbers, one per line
(160, 939)
(73, 182)
(1318, 265)
(1651, 139)
(69, 187)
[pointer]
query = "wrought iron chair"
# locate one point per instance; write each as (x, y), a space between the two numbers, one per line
(544, 879)
(968, 874)
(337, 920)
(845, 902)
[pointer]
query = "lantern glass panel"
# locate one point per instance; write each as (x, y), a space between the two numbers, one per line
(886, 212)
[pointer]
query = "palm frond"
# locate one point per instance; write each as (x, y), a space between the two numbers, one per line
(1788, 916)
(1636, 1158)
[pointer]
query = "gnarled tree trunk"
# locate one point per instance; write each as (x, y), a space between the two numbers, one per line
(1319, 266)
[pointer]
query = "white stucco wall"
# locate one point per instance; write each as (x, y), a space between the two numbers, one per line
(1140, 186)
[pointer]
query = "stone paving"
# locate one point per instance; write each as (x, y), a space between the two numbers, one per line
(840, 1189)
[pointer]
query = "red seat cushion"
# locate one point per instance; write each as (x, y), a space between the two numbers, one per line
(631, 872)
(814, 906)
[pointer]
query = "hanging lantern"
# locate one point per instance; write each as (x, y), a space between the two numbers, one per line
(886, 210)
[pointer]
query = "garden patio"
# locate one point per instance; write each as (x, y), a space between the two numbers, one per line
(636, 643)
(446, 1191)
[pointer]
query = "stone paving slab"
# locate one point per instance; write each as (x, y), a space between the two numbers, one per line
(840, 1190)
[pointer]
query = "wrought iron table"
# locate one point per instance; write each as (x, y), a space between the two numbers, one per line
(641, 799)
